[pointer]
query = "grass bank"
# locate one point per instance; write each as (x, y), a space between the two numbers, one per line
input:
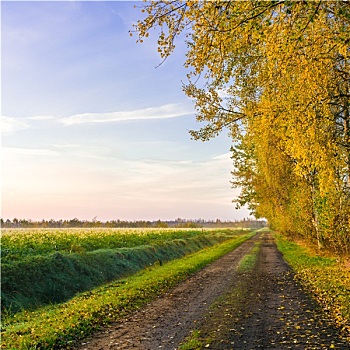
(38, 280)
(326, 278)
(61, 325)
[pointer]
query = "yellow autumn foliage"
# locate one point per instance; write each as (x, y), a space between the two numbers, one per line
(276, 73)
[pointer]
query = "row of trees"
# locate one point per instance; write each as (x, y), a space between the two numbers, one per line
(177, 223)
(276, 74)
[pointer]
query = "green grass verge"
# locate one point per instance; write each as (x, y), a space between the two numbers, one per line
(326, 278)
(61, 325)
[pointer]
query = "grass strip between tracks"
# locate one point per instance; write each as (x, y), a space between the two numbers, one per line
(326, 278)
(61, 325)
(196, 340)
(248, 261)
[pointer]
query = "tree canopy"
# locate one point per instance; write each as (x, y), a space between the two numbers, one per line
(276, 74)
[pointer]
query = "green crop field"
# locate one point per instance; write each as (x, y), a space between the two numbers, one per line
(44, 271)
(19, 243)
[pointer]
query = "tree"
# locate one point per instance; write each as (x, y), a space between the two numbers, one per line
(276, 73)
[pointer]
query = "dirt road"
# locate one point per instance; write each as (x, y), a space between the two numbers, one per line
(259, 309)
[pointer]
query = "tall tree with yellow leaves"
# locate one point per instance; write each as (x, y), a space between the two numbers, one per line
(276, 73)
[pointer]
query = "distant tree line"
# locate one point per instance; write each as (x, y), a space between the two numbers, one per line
(177, 223)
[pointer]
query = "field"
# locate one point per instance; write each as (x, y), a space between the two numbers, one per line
(43, 272)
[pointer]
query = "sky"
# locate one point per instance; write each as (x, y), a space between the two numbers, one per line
(93, 126)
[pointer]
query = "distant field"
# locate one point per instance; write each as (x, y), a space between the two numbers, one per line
(45, 266)
(19, 243)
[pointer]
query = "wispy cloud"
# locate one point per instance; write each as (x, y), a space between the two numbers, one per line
(10, 124)
(223, 93)
(40, 117)
(171, 110)
(224, 156)
(162, 112)
(68, 146)
(16, 151)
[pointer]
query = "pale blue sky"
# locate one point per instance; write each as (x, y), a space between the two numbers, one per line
(90, 126)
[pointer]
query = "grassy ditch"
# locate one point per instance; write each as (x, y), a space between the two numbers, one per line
(326, 278)
(61, 325)
(38, 280)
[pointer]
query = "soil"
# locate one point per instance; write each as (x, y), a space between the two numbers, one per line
(260, 309)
